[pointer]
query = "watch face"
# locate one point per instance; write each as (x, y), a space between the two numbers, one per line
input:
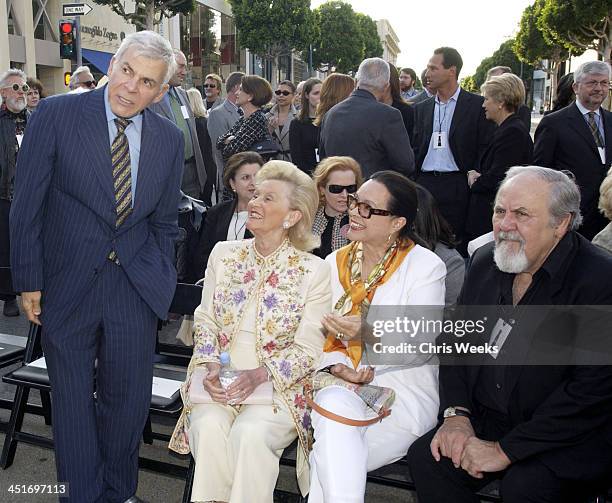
(449, 412)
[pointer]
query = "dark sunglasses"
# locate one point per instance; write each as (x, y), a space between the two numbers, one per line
(364, 209)
(212, 86)
(338, 189)
(15, 87)
(278, 92)
(89, 83)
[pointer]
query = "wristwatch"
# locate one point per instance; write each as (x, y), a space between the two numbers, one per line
(454, 411)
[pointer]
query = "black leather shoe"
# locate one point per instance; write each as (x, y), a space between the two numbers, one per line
(134, 499)
(10, 308)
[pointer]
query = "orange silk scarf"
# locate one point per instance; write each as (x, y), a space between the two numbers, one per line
(358, 292)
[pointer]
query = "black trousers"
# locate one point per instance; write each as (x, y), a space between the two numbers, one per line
(5, 248)
(451, 192)
(527, 481)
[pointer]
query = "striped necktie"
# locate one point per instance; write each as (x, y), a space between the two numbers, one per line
(595, 130)
(122, 172)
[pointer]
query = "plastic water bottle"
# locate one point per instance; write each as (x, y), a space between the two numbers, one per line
(227, 375)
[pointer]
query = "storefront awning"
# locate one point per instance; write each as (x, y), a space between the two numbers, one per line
(99, 59)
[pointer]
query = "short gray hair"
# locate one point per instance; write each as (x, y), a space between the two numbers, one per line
(564, 193)
(592, 68)
(150, 45)
(373, 73)
(74, 80)
(13, 72)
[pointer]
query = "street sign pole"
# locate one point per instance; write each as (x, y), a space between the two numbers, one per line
(79, 58)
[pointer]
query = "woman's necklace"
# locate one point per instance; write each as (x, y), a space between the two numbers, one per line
(237, 231)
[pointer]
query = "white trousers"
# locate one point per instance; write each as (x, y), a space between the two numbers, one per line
(237, 454)
(343, 455)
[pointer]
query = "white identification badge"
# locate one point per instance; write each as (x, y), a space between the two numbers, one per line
(602, 154)
(19, 139)
(185, 112)
(499, 334)
(439, 139)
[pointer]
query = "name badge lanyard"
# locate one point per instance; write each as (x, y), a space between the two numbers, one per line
(440, 122)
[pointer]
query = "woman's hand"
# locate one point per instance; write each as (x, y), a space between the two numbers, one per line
(245, 384)
(364, 375)
(272, 123)
(229, 139)
(213, 385)
(343, 327)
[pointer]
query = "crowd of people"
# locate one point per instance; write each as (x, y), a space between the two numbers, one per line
(326, 204)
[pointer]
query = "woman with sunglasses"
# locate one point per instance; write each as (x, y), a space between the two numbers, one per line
(280, 117)
(383, 266)
(336, 178)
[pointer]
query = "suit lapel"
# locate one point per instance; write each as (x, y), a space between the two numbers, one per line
(429, 118)
(579, 125)
(95, 139)
(150, 143)
(460, 106)
(607, 122)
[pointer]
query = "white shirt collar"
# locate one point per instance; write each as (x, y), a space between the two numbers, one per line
(455, 95)
(584, 110)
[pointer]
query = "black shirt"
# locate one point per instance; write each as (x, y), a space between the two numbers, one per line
(304, 143)
(326, 238)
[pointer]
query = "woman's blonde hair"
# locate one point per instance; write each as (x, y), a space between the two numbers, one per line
(507, 89)
(335, 163)
(605, 196)
(303, 198)
(196, 102)
(336, 88)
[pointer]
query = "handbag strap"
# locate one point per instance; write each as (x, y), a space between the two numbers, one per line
(346, 420)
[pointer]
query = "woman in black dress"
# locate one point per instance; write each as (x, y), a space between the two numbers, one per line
(303, 134)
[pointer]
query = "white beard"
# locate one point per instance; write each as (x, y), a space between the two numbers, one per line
(15, 105)
(506, 260)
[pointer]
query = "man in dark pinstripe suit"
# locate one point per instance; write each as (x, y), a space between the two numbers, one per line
(93, 225)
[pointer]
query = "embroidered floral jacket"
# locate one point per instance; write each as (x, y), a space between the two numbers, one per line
(292, 291)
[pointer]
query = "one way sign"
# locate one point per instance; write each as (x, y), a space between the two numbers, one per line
(76, 9)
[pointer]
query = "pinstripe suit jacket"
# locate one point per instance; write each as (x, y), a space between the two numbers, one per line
(63, 213)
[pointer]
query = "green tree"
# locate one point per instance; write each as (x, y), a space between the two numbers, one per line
(338, 41)
(503, 56)
(579, 25)
(273, 28)
(372, 48)
(149, 13)
(531, 45)
(469, 84)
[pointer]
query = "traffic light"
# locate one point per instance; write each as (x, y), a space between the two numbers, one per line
(67, 76)
(67, 39)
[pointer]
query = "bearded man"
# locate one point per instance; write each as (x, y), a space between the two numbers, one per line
(13, 121)
(544, 429)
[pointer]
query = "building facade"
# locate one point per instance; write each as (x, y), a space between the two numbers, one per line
(389, 41)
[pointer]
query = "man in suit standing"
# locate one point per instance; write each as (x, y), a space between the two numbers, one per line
(222, 118)
(370, 132)
(450, 135)
(93, 229)
(536, 413)
(175, 107)
(578, 138)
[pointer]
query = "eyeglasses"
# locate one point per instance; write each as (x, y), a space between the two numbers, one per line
(15, 87)
(593, 83)
(211, 86)
(278, 92)
(364, 209)
(89, 83)
(338, 189)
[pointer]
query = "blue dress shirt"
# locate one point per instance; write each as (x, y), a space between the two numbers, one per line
(442, 159)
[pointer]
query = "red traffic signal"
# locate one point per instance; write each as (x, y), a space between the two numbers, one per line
(67, 39)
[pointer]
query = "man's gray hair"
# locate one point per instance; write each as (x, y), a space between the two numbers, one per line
(592, 68)
(13, 72)
(150, 45)
(233, 80)
(74, 78)
(564, 193)
(373, 74)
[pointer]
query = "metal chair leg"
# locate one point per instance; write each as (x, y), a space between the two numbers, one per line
(189, 481)
(14, 425)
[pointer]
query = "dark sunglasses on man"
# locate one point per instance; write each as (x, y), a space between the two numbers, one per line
(15, 87)
(211, 86)
(89, 83)
(278, 92)
(338, 189)
(364, 209)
